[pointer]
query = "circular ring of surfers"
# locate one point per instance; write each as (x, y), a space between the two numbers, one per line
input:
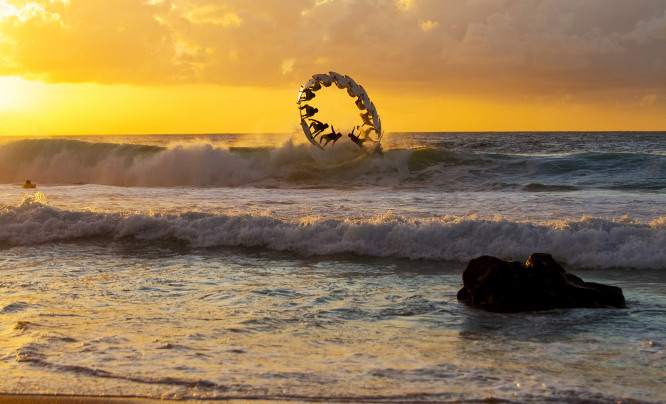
(366, 135)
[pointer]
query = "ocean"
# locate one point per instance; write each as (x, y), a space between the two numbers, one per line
(258, 267)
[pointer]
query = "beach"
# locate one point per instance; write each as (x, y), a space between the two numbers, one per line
(39, 399)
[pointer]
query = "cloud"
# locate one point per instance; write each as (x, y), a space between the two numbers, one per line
(495, 42)
(103, 41)
(404, 5)
(212, 14)
(648, 99)
(466, 46)
(287, 66)
(428, 25)
(654, 29)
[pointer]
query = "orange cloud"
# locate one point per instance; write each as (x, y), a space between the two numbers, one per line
(241, 42)
(534, 51)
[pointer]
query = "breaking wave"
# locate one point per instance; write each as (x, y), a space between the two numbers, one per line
(586, 242)
(68, 161)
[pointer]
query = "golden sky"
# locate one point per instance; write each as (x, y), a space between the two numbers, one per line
(216, 66)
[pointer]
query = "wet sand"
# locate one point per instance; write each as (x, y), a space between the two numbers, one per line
(49, 399)
(46, 399)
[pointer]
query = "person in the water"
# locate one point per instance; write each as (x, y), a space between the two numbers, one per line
(318, 127)
(333, 136)
(29, 184)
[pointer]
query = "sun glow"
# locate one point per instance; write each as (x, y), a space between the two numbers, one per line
(16, 93)
(34, 108)
(7, 9)
(180, 66)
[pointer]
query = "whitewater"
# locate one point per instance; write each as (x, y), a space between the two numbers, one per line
(261, 267)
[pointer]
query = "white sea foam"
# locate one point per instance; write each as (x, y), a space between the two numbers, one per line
(208, 164)
(541, 200)
(587, 242)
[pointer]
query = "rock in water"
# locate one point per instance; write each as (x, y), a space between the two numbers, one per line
(492, 284)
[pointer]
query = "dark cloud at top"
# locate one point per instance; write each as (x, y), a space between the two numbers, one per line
(546, 46)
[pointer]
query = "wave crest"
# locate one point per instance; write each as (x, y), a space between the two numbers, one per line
(587, 242)
(67, 161)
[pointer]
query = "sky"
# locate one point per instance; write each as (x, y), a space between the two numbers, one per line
(221, 66)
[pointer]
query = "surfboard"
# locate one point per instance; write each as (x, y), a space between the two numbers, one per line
(308, 134)
(352, 88)
(298, 100)
(340, 81)
(324, 79)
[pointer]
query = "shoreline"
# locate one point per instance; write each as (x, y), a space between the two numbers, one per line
(30, 398)
(71, 399)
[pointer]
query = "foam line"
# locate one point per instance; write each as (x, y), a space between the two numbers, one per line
(587, 242)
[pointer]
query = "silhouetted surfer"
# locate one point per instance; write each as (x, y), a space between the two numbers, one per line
(318, 127)
(316, 86)
(29, 184)
(333, 136)
(356, 139)
(367, 119)
(309, 111)
(307, 95)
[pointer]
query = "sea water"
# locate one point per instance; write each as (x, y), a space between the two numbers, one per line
(260, 267)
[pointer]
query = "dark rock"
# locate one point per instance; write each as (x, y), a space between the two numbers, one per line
(492, 284)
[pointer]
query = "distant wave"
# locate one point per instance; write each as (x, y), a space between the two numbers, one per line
(587, 242)
(73, 161)
(536, 187)
(67, 161)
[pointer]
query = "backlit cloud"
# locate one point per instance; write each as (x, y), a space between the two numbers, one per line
(532, 46)
(428, 25)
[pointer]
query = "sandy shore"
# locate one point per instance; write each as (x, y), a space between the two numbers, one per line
(45, 399)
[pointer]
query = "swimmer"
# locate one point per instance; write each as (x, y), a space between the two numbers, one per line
(29, 184)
